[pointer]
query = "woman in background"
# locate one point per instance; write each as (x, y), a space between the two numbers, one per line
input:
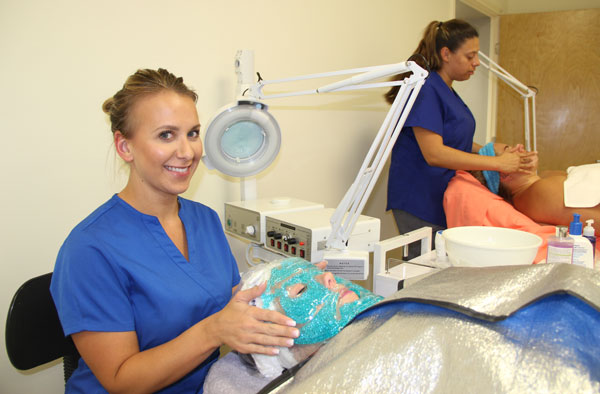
(437, 137)
(144, 284)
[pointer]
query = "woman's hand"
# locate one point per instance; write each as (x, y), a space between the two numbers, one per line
(509, 162)
(528, 160)
(249, 329)
(516, 159)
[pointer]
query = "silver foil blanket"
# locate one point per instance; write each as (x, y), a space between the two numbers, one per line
(467, 346)
(493, 293)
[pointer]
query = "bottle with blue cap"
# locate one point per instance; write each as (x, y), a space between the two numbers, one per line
(583, 253)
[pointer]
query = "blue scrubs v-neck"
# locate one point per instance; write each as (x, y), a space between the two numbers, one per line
(119, 271)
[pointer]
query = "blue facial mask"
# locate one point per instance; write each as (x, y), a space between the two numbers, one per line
(316, 308)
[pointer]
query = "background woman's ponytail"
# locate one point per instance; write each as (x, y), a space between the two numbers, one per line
(437, 35)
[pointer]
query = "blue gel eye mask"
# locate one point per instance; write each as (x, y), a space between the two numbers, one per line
(315, 309)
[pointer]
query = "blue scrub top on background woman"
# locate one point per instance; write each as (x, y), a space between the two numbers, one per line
(414, 185)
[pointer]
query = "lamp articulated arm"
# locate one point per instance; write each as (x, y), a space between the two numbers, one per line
(526, 93)
(348, 211)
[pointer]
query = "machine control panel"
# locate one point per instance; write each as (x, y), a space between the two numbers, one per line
(242, 222)
(246, 219)
(288, 238)
(304, 234)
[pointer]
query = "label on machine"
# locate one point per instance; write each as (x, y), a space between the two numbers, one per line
(351, 265)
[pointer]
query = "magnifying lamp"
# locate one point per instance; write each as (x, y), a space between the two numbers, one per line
(242, 139)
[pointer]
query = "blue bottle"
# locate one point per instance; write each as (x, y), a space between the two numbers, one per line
(576, 226)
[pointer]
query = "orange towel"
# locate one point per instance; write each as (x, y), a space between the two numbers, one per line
(468, 203)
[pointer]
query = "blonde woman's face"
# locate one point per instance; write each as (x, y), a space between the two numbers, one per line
(164, 147)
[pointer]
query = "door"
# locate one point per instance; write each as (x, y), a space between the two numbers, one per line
(559, 54)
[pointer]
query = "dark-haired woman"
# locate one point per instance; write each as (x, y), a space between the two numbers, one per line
(437, 138)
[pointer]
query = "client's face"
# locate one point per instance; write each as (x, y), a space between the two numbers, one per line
(320, 303)
(328, 280)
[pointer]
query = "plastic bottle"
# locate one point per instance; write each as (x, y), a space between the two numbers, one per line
(440, 248)
(589, 233)
(560, 247)
(583, 254)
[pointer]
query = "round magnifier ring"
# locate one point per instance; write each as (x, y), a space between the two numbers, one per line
(243, 139)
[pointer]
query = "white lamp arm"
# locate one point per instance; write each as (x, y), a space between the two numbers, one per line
(355, 82)
(348, 211)
(501, 73)
(526, 93)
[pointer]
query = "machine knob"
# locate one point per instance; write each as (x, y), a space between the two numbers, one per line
(292, 241)
(270, 233)
(277, 235)
(250, 230)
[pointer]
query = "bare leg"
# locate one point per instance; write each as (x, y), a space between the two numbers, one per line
(543, 202)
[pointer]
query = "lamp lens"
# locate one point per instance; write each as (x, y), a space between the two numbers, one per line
(242, 140)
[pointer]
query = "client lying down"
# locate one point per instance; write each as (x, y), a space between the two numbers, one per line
(320, 303)
(505, 329)
(553, 197)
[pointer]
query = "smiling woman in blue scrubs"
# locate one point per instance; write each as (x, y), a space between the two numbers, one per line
(144, 284)
(437, 137)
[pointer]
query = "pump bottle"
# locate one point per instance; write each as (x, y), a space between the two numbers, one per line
(560, 247)
(589, 233)
(582, 247)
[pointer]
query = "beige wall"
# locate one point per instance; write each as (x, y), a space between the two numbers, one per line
(520, 6)
(506, 7)
(61, 59)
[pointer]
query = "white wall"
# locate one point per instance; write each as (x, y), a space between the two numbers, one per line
(475, 90)
(61, 59)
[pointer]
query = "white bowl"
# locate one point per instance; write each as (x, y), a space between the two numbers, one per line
(483, 246)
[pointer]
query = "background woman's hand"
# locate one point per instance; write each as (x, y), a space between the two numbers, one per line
(517, 159)
(509, 161)
(529, 160)
(249, 329)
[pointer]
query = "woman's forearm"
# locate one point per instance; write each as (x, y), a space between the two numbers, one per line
(116, 361)
(156, 368)
(439, 155)
(455, 159)
(120, 367)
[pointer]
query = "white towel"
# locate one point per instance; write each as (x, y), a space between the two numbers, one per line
(582, 186)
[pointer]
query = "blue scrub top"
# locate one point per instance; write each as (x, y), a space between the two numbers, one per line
(119, 271)
(413, 185)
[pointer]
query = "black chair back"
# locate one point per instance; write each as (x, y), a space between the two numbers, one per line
(34, 335)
